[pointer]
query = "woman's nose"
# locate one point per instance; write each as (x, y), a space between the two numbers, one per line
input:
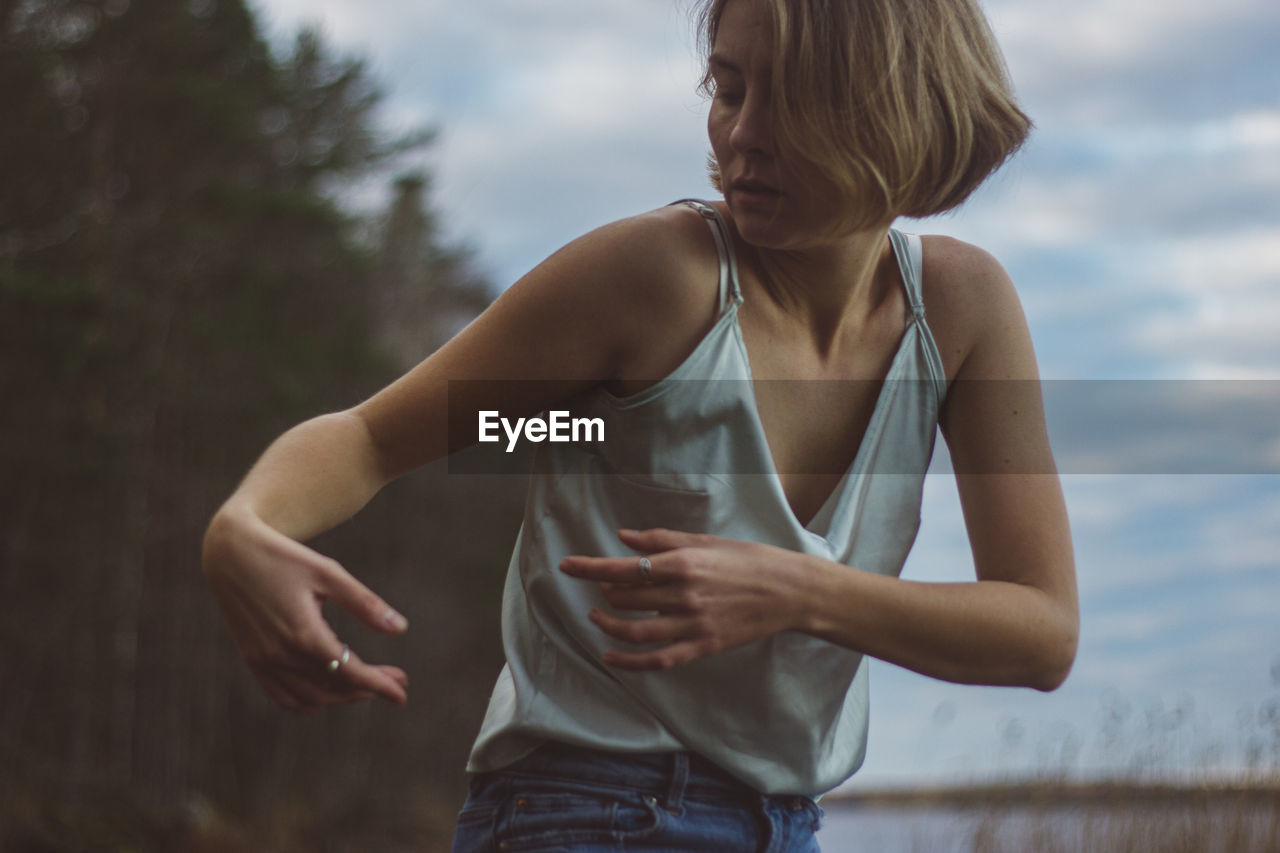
(753, 130)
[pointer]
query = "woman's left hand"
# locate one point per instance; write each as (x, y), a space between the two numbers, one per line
(710, 594)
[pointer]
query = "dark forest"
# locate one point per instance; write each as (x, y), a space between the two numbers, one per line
(180, 281)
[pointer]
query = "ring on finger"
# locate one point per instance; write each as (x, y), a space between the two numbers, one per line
(646, 569)
(336, 663)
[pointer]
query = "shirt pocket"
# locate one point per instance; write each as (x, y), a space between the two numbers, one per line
(588, 501)
(641, 505)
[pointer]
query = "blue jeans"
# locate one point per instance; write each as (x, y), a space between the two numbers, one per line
(577, 800)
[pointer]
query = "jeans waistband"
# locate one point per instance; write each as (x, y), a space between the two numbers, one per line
(666, 776)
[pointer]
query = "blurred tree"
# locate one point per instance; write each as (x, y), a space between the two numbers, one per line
(179, 282)
(321, 122)
(426, 291)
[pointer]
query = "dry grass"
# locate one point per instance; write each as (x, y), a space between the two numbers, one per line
(1233, 824)
(1097, 817)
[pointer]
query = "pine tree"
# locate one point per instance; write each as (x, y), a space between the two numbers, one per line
(179, 282)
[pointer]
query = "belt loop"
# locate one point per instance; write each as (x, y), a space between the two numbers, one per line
(679, 779)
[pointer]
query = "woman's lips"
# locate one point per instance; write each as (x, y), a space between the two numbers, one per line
(754, 192)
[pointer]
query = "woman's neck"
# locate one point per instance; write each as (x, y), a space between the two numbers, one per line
(830, 289)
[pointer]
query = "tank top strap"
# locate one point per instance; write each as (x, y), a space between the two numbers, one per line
(729, 287)
(907, 247)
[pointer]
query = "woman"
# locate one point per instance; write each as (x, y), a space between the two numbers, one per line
(690, 602)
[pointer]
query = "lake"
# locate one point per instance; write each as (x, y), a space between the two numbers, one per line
(1241, 825)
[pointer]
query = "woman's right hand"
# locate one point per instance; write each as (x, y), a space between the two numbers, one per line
(271, 588)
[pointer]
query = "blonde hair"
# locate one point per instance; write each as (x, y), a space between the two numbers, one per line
(905, 105)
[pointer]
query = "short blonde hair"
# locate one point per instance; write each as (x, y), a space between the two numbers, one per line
(905, 105)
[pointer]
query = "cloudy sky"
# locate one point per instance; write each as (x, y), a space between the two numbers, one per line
(1142, 225)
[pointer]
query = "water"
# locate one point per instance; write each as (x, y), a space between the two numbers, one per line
(897, 830)
(1239, 825)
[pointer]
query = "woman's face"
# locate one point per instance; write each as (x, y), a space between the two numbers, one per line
(776, 202)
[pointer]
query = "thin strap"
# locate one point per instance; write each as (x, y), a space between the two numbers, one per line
(724, 248)
(910, 251)
(907, 249)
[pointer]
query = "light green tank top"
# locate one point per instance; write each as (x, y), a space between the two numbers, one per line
(787, 714)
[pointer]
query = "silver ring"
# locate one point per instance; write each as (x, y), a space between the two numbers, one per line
(336, 663)
(646, 568)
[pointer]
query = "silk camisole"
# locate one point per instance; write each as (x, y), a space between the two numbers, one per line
(786, 714)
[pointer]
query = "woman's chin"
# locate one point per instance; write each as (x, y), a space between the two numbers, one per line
(758, 223)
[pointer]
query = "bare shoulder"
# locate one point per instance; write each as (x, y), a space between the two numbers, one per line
(970, 300)
(611, 288)
(663, 294)
(622, 303)
(660, 262)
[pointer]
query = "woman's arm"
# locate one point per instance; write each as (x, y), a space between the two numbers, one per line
(1015, 625)
(1018, 623)
(572, 322)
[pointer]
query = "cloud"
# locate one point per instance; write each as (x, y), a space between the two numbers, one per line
(1163, 243)
(556, 117)
(1143, 215)
(1094, 62)
(1134, 534)
(1231, 303)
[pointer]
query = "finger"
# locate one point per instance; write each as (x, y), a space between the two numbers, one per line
(295, 692)
(651, 629)
(355, 675)
(617, 570)
(676, 654)
(290, 689)
(658, 539)
(666, 598)
(369, 607)
(396, 673)
(318, 695)
(312, 696)
(317, 655)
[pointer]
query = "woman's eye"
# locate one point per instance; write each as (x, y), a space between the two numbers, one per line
(728, 96)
